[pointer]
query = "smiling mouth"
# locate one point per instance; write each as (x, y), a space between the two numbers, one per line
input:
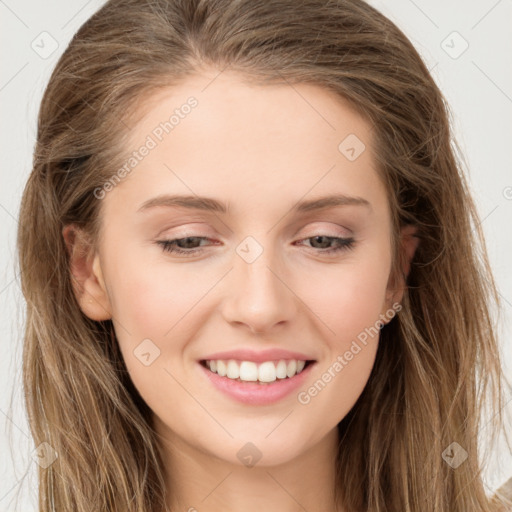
(263, 373)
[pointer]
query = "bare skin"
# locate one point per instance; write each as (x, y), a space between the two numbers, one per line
(260, 150)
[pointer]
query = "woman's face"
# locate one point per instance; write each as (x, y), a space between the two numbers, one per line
(255, 163)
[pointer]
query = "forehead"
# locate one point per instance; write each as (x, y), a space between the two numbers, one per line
(227, 100)
(218, 134)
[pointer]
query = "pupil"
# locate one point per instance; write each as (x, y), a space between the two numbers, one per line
(319, 239)
(188, 240)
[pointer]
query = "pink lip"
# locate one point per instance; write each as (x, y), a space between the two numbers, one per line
(253, 393)
(259, 356)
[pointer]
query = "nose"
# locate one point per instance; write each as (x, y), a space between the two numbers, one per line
(259, 295)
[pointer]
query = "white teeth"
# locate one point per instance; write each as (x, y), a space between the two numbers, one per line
(233, 370)
(292, 368)
(249, 371)
(267, 372)
(281, 370)
(221, 367)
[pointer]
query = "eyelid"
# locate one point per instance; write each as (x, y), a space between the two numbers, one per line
(327, 227)
(182, 230)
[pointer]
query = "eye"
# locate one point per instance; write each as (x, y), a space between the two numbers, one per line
(341, 244)
(188, 246)
(173, 246)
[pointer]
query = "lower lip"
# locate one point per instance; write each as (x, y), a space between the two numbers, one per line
(257, 394)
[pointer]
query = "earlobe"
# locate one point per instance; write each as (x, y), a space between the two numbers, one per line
(86, 274)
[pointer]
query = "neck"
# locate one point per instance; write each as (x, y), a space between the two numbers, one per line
(199, 481)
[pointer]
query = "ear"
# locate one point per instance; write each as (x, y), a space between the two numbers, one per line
(86, 274)
(409, 242)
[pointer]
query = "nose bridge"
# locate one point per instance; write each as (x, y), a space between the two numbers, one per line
(257, 295)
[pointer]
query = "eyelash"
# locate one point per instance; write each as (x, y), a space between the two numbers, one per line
(344, 244)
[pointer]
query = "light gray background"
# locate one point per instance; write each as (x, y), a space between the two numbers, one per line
(477, 84)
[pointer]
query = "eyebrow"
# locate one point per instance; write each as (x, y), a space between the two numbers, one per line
(212, 205)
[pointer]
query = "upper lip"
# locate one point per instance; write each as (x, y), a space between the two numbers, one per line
(259, 356)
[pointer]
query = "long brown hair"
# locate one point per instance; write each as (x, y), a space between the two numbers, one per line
(438, 361)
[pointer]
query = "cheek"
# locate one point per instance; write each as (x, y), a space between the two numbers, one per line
(150, 297)
(152, 310)
(348, 297)
(348, 301)
(147, 304)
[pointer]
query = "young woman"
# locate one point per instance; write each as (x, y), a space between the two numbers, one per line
(255, 279)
